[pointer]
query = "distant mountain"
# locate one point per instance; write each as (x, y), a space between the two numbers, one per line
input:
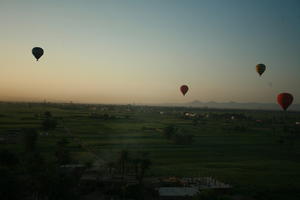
(233, 105)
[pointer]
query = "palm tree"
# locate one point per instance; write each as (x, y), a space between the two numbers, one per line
(110, 166)
(124, 157)
(144, 165)
(135, 163)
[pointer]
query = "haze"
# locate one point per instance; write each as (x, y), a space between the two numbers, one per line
(142, 51)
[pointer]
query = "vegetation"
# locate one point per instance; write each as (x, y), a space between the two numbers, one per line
(49, 122)
(177, 136)
(255, 151)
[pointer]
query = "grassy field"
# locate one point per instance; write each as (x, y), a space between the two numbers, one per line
(250, 159)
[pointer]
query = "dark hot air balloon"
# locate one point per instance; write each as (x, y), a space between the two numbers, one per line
(260, 69)
(184, 89)
(285, 100)
(37, 52)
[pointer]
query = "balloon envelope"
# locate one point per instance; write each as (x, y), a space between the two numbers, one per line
(260, 69)
(285, 100)
(184, 89)
(37, 52)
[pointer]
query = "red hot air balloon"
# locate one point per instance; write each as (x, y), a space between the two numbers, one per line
(285, 100)
(184, 89)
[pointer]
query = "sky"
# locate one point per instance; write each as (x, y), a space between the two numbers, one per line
(142, 51)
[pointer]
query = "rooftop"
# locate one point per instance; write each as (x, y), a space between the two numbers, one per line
(177, 191)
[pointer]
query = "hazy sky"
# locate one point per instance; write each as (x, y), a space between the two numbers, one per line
(142, 51)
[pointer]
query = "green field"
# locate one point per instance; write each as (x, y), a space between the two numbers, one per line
(251, 159)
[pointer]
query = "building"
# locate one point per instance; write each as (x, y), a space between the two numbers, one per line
(166, 193)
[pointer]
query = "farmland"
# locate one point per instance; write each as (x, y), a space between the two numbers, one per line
(255, 151)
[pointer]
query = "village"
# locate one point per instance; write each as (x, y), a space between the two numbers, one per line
(97, 182)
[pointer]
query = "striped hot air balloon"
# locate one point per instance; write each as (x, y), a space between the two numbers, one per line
(260, 69)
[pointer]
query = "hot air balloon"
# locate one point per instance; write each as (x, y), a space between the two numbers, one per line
(37, 52)
(285, 100)
(184, 89)
(260, 69)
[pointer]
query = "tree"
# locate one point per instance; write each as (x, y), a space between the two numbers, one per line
(49, 124)
(169, 131)
(34, 169)
(173, 133)
(106, 117)
(181, 138)
(48, 114)
(145, 164)
(10, 187)
(123, 159)
(111, 165)
(8, 159)
(9, 180)
(30, 138)
(62, 153)
(60, 185)
(141, 164)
